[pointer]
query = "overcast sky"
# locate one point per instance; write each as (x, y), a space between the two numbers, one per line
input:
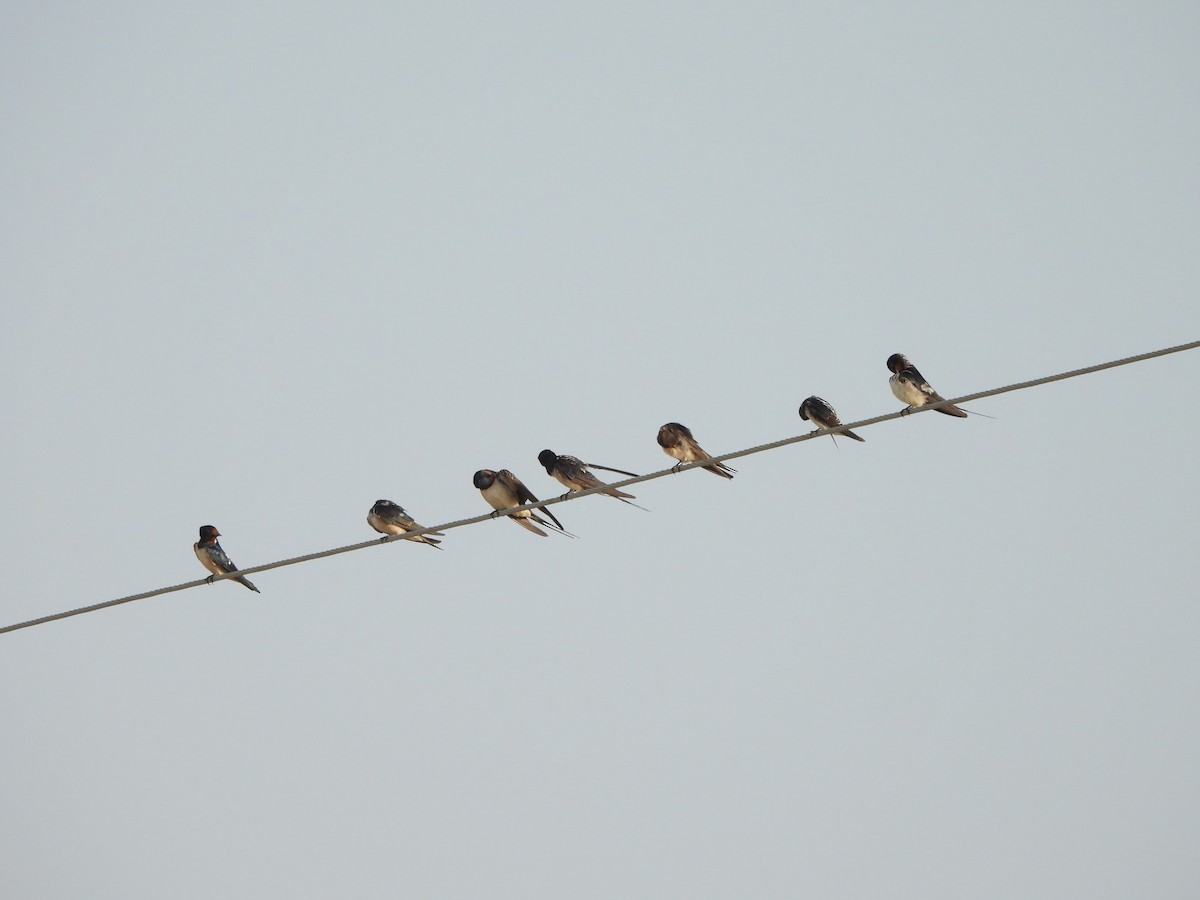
(263, 264)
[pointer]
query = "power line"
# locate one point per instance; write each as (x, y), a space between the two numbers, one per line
(774, 445)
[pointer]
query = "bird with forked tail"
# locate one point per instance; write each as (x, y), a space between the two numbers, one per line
(910, 387)
(575, 475)
(821, 414)
(387, 518)
(213, 558)
(504, 490)
(677, 442)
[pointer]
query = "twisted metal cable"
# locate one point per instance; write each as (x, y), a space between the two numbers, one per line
(575, 495)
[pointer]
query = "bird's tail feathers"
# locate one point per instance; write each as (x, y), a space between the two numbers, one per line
(607, 469)
(953, 410)
(619, 494)
(524, 522)
(623, 500)
(553, 527)
(719, 468)
(972, 412)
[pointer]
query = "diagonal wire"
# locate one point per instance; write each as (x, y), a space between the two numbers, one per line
(575, 495)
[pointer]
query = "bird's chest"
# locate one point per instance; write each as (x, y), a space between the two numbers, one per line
(206, 559)
(677, 451)
(499, 497)
(382, 525)
(906, 391)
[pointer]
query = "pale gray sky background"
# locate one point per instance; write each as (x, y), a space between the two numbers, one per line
(263, 264)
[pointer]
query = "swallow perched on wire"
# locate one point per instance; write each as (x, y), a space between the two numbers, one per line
(213, 558)
(504, 490)
(387, 518)
(574, 474)
(910, 387)
(677, 442)
(821, 414)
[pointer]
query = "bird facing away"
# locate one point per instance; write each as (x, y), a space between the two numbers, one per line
(213, 558)
(573, 473)
(821, 414)
(387, 518)
(677, 442)
(504, 490)
(910, 386)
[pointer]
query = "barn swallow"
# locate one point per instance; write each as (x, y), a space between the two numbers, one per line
(213, 558)
(387, 518)
(910, 386)
(573, 473)
(677, 442)
(821, 414)
(504, 490)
